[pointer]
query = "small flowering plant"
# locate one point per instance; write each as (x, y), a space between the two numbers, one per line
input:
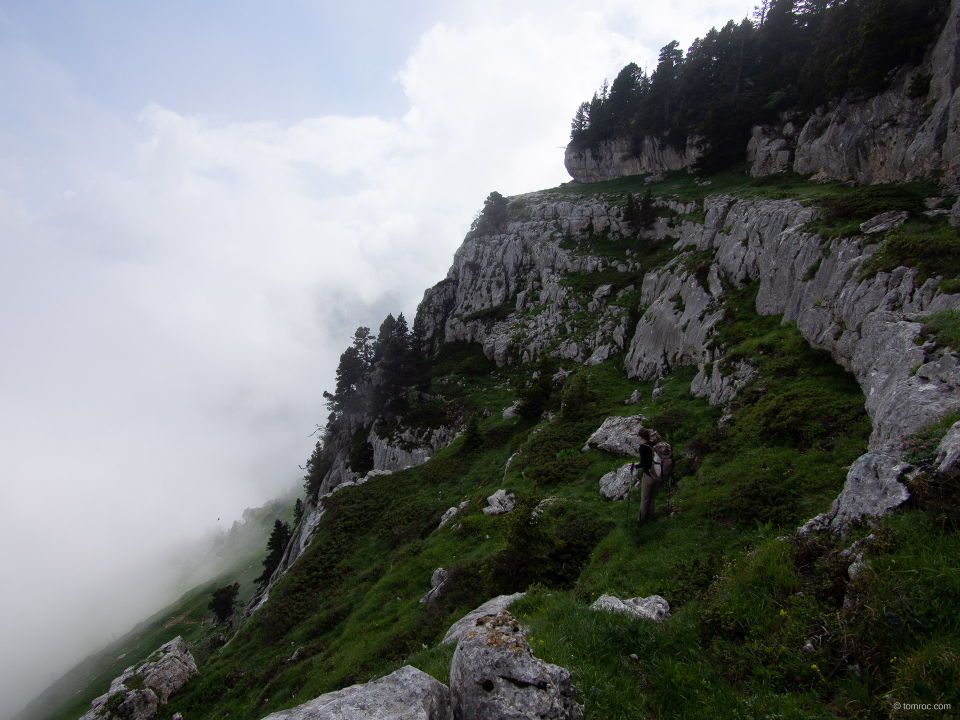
(921, 449)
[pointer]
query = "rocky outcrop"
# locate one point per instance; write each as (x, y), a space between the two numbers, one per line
(892, 137)
(407, 448)
(407, 694)
(616, 484)
(616, 158)
(770, 149)
(495, 675)
(868, 325)
(437, 581)
(500, 503)
(653, 608)
(884, 221)
(682, 310)
(872, 489)
(617, 435)
(142, 689)
(948, 452)
(491, 607)
(719, 385)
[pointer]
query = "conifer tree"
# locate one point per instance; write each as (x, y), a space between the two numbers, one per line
(224, 601)
(276, 546)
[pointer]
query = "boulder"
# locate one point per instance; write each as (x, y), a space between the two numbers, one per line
(169, 669)
(598, 356)
(511, 412)
(618, 435)
(495, 675)
(948, 452)
(446, 517)
(142, 689)
(649, 608)
(491, 607)
(872, 489)
(633, 399)
(407, 694)
(615, 484)
(499, 503)
(543, 505)
(437, 581)
(884, 221)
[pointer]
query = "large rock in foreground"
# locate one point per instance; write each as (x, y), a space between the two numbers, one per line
(872, 490)
(491, 607)
(141, 690)
(407, 694)
(495, 675)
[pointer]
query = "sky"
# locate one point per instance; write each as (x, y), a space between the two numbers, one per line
(199, 204)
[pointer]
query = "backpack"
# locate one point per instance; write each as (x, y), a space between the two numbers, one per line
(662, 460)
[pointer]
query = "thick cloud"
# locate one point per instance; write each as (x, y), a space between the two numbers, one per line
(175, 289)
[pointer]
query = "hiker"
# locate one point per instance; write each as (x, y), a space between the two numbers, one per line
(653, 463)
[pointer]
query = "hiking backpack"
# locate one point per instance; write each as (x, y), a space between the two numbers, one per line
(663, 460)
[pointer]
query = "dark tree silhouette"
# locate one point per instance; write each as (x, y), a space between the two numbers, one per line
(224, 601)
(276, 545)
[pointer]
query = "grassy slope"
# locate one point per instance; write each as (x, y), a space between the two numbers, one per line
(747, 596)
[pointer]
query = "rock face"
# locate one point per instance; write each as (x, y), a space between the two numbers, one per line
(494, 675)
(872, 489)
(887, 138)
(679, 319)
(892, 137)
(407, 694)
(653, 608)
(491, 607)
(408, 449)
(614, 485)
(142, 689)
(618, 435)
(770, 149)
(616, 158)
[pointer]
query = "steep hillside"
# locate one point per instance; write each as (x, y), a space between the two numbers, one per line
(763, 334)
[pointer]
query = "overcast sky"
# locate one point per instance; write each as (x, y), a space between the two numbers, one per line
(199, 203)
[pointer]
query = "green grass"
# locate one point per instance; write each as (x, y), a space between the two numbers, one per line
(943, 327)
(932, 248)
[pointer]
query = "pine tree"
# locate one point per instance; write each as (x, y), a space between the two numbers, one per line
(276, 546)
(224, 601)
(471, 436)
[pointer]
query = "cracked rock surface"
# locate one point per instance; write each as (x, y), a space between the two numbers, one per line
(407, 694)
(495, 675)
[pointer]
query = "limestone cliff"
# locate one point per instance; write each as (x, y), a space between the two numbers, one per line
(902, 134)
(617, 158)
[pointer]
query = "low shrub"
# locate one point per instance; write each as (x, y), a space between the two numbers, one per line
(932, 249)
(944, 326)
